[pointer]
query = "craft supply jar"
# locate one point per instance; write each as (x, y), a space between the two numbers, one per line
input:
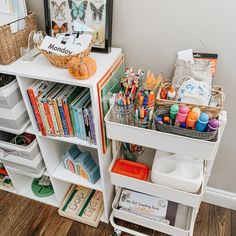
(132, 151)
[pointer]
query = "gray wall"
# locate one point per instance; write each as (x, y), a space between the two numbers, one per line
(151, 32)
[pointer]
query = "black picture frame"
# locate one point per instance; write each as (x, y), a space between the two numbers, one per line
(108, 24)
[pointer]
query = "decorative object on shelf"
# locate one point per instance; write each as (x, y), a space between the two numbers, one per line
(132, 169)
(132, 151)
(42, 187)
(88, 16)
(35, 39)
(82, 67)
(81, 163)
(11, 43)
(177, 171)
(83, 205)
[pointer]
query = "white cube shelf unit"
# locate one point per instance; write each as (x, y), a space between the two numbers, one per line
(52, 148)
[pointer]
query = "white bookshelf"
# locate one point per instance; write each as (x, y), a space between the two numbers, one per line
(52, 148)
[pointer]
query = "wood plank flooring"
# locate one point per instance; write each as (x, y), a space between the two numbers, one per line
(20, 216)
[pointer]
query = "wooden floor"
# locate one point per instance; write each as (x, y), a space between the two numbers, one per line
(24, 217)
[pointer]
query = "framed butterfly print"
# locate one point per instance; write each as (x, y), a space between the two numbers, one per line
(90, 16)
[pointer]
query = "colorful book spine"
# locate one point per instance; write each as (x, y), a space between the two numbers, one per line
(72, 118)
(76, 119)
(58, 118)
(44, 117)
(63, 118)
(52, 113)
(92, 127)
(82, 124)
(37, 114)
(68, 120)
(49, 118)
(87, 127)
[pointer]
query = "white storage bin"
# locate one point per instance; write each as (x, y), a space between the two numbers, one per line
(185, 198)
(184, 222)
(30, 151)
(178, 172)
(10, 95)
(34, 168)
(163, 141)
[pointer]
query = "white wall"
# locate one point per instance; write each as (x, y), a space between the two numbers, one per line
(151, 32)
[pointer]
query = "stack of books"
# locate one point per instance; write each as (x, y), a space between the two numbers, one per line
(62, 110)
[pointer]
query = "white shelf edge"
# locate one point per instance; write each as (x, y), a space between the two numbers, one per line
(64, 175)
(72, 140)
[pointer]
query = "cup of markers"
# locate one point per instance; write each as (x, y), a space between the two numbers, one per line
(123, 109)
(132, 151)
(144, 109)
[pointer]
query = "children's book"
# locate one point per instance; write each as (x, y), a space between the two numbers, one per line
(86, 120)
(91, 124)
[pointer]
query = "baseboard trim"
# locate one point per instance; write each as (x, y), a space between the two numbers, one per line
(220, 198)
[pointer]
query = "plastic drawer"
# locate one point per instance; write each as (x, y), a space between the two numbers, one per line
(184, 222)
(163, 141)
(185, 198)
(28, 152)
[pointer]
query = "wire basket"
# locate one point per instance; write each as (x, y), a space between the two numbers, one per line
(209, 136)
(217, 93)
(11, 43)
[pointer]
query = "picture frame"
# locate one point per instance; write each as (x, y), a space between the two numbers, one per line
(78, 16)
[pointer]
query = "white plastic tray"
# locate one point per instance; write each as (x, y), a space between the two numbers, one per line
(184, 220)
(185, 198)
(163, 141)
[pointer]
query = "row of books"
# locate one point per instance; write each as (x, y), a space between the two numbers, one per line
(62, 110)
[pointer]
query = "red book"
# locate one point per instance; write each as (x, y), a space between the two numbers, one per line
(49, 118)
(34, 103)
(67, 115)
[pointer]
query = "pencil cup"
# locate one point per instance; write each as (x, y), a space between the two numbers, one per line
(132, 151)
(123, 114)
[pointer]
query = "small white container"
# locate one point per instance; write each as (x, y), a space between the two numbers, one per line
(178, 172)
(29, 152)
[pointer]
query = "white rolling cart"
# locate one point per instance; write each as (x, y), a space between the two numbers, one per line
(52, 148)
(154, 140)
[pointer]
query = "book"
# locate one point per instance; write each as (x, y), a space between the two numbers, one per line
(86, 120)
(61, 111)
(79, 114)
(35, 92)
(91, 125)
(73, 112)
(50, 102)
(68, 97)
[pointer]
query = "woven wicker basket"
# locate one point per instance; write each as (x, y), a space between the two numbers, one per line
(11, 43)
(217, 93)
(209, 136)
(61, 61)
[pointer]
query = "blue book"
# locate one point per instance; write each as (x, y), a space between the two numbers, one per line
(73, 111)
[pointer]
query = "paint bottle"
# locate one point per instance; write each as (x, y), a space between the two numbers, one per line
(197, 110)
(166, 120)
(171, 93)
(173, 112)
(202, 122)
(212, 125)
(191, 120)
(181, 115)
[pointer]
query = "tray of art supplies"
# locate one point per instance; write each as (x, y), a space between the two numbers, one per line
(82, 204)
(217, 96)
(153, 212)
(167, 128)
(137, 176)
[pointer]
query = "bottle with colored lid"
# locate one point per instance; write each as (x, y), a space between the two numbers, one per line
(212, 125)
(181, 115)
(173, 112)
(197, 110)
(171, 93)
(191, 120)
(202, 122)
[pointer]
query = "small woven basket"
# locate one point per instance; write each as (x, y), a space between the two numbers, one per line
(209, 136)
(11, 43)
(62, 61)
(217, 93)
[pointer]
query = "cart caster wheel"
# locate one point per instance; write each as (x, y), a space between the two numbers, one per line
(116, 232)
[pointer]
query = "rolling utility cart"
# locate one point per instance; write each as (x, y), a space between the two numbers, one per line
(152, 140)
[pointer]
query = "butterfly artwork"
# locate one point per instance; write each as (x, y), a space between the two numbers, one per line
(98, 38)
(59, 9)
(59, 29)
(97, 12)
(78, 11)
